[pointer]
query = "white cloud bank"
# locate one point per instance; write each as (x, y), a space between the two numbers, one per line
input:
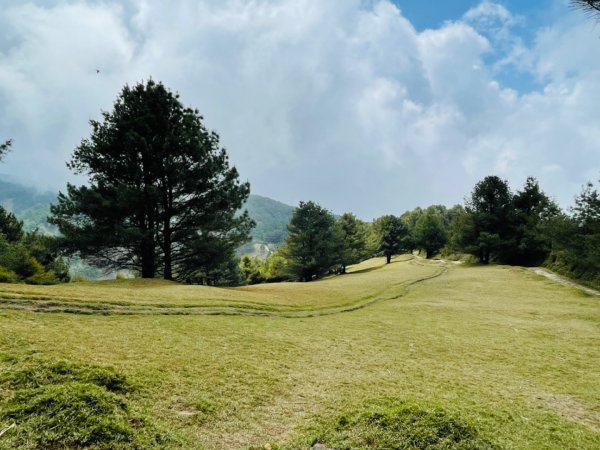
(341, 102)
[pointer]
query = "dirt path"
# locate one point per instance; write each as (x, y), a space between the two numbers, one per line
(564, 280)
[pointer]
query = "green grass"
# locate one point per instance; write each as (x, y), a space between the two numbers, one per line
(162, 297)
(507, 355)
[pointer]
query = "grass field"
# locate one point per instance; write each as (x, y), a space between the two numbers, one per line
(504, 351)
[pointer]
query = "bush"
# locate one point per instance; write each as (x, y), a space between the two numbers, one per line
(7, 275)
(43, 278)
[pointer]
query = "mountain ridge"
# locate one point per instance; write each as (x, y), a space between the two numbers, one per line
(32, 207)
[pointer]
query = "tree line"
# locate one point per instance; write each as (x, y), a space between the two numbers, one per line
(163, 200)
(495, 225)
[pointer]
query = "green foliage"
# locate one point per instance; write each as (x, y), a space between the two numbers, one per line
(314, 243)
(33, 259)
(401, 427)
(392, 236)
(489, 210)
(162, 196)
(576, 239)
(10, 227)
(533, 213)
(270, 270)
(354, 237)
(252, 268)
(429, 232)
(271, 219)
(55, 404)
(7, 275)
(42, 278)
(228, 273)
(505, 227)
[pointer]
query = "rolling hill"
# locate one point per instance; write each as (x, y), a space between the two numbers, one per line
(413, 354)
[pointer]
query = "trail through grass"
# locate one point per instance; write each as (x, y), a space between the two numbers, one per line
(365, 284)
(509, 355)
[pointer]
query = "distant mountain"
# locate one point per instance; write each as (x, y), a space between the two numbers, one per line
(271, 219)
(17, 198)
(32, 207)
(28, 204)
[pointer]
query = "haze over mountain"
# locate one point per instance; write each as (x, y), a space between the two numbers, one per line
(32, 207)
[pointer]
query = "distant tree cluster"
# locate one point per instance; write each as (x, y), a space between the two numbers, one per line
(27, 257)
(497, 225)
(576, 238)
(502, 226)
(320, 244)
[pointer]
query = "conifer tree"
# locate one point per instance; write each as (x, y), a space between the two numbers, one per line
(161, 196)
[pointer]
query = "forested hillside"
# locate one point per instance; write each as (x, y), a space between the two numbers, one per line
(271, 219)
(32, 207)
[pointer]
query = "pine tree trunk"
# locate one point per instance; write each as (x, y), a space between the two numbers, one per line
(148, 259)
(168, 270)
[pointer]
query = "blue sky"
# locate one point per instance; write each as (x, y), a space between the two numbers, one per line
(369, 106)
(533, 15)
(432, 14)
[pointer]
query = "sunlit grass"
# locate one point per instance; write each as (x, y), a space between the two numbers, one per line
(361, 285)
(510, 353)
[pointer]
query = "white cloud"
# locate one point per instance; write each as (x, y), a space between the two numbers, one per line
(341, 102)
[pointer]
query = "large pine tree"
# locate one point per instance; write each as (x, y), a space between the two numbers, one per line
(161, 197)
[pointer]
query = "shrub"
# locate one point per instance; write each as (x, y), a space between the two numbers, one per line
(43, 278)
(7, 275)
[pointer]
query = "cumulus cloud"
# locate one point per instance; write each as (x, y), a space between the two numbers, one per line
(341, 102)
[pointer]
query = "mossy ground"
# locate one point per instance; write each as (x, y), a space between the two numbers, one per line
(511, 355)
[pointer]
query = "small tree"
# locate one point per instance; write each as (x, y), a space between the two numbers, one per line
(533, 212)
(10, 226)
(313, 244)
(489, 210)
(354, 240)
(392, 236)
(429, 232)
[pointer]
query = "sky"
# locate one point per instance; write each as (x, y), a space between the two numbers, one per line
(368, 106)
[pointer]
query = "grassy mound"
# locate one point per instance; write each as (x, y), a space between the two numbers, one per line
(402, 427)
(55, 404)
(35, 373)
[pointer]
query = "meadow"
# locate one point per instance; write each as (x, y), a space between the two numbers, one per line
(495, 354)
